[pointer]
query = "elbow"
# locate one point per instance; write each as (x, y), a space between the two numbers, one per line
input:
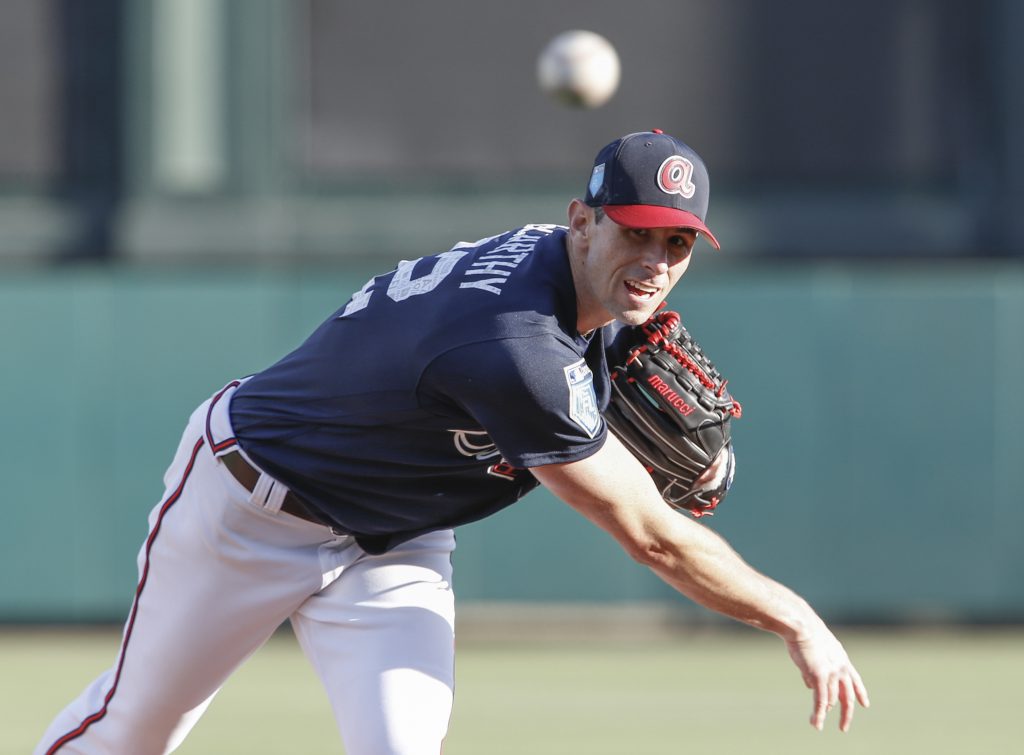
(651, 552)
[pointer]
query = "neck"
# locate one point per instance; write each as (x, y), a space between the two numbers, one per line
(589, 317)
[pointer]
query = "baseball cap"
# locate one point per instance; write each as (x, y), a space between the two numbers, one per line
(651, 180)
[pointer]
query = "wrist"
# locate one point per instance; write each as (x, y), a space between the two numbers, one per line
(802, 624)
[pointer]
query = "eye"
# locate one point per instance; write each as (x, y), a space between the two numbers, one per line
(680, 247)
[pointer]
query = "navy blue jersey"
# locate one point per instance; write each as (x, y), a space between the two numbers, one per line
(423, 401)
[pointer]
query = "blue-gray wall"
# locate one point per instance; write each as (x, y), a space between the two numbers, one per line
(880, 452)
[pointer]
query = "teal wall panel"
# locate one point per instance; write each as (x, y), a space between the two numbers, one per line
(880, 454)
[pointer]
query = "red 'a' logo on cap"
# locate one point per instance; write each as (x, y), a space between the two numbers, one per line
(675, 176)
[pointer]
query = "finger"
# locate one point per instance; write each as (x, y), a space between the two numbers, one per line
(861, 690)
(833, 691)
(820, 704)
(846, 701)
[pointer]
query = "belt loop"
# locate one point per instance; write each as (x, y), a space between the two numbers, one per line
(268, 493)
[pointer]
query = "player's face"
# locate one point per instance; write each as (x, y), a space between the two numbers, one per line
(623, 273)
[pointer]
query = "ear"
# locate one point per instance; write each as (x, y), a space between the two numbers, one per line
(581, 219)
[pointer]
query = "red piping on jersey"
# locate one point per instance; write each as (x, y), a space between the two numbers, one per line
(98, 715)
(216, 448)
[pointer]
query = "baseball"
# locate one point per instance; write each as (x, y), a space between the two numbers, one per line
(579, 69)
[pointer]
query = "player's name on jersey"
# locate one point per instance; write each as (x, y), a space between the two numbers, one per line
(499, 263)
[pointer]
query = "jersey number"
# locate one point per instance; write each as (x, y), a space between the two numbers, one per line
(403, 285)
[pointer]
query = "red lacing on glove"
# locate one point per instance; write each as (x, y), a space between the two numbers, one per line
(708, 510)
(658, 329)
(686, 360)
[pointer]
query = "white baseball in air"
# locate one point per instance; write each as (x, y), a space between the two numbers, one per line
(579, 68)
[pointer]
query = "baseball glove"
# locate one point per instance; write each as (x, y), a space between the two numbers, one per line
(669, 406)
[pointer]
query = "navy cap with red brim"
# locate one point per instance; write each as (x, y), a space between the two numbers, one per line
(656, 216)
(651, 180)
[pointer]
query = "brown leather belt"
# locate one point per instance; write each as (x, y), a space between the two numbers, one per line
(248, 476)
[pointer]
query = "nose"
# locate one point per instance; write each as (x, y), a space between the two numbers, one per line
(655, 258)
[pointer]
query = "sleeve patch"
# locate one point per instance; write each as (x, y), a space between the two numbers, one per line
(582, 400)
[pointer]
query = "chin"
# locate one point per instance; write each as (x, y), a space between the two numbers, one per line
(640, 315)
(633, 312)
(633, 317)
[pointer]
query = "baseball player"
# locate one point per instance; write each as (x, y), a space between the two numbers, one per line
(324, 489)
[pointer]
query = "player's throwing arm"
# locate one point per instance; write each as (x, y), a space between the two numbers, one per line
(670, 414)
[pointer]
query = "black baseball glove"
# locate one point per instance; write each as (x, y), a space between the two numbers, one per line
(669, 406)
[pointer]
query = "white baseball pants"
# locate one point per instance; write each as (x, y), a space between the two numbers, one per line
(220, 571)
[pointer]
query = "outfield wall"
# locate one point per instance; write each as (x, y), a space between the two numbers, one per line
(880, 458)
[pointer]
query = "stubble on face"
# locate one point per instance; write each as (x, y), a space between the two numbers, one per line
(621, 273)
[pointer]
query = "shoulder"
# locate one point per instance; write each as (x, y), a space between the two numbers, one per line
(535, 368)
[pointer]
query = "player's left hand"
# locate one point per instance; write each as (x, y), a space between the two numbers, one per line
(829, 674)
(670, 407)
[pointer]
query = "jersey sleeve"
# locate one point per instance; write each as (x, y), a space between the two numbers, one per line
(534, 397)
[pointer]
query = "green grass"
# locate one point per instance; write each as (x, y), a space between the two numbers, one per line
(735, 692)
